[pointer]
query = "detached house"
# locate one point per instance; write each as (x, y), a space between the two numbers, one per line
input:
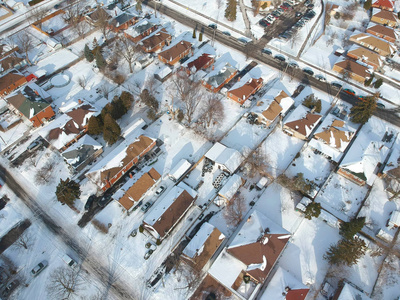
(229, 189)
(123, 21)
(226, 159)
(301, 123)
(169, 211)
(11, 62)
(354, 70)
(156, 41)
(95, 16)
(202, 62)
(140, 30)
(383, 4)
(244, 88)
(250, 256)
(6, 50)
(391, 172)
(10, 82)
(119, 161)
(383, 32)
(220, 76)
(31, 105)
(384, 17)
(174, 53)
(373, 43)
(366, 56)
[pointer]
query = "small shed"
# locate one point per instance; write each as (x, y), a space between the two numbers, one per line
(163, 73)
(229, 190)
(177, 172)
(262, 183)
(302, 205)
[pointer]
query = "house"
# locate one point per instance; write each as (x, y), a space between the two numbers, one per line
(6, 50)
(220, 76)
(203, 246)
(383, 32)
(284, 284)
(301, 123)
(374, 43)
(366, 56)
(226, 159)
(361, 165)
(384, 17)
(273, 104)
(353, 69)
(229, 189)
(32, 105)
(333, 138)
(99, 14)
(383, 4)
(122, 21)
(15, 5)
(179, 170)
(347, 291)
(11, 62)
(391, 171)
(140, 30)
(156, 41)
(163, 73)
(174, 53)
(139, 189)
(244, 88)
(250, 256)
(69, 127)
(169, 211)
(10, 82)
(83, 152)
(119, 161)
(196, 63)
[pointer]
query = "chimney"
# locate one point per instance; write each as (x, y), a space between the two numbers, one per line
(80, 101)
(287, 289)
(116, 13)
(36, 92)
(248, 219)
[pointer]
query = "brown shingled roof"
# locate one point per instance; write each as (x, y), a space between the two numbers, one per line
(354, 67)
(139, 188)
(155, 39)
(173, 213)
(273, 110)
(9, 62)
(247, 89)
(338, 135)
(385, 30)
(299, 294)
(78, 114)
(173, 52)
(386, 15)
(9, 79)
(253, 254)
(366, 55)
(200, 62)
(300, 125)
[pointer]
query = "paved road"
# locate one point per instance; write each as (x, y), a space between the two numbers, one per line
(104, 274)
(254, 51)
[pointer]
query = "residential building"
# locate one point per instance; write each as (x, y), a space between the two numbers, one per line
(374, 43)
(156, 41)
(391, 171)
(203, 246)
(384, 17)
(353, 70)
(140, 30)
(179, 170)
(83, 152)
(10, 82)
(202, 62)
(366, 56)
(383, 4)
(383, 32)
(250, 256)
(6, 50)
(218, 77)
(229, 189)
(32, 105)
(119, 161)
(301, 123)
(139, 189)
(174, 53)
(122, 21)
(168, 211)
(244, 88)
(11, 62)
(93, 17)
(226, 159)
(346, 292)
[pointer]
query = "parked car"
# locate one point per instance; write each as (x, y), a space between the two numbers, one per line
(137, 205)
(266, 51)
(133, 232)
(293, 64)
(308, 71)
(34, 145)
(39, 268)
(310, 5)
(10, 288)
(280, 58)
(148, 254)
(280, 10)
(336, 85)
(90, 201)
(146, 207)
(104, 200)
(349, 91)
(380, 105)
(160, 190)
(320, 77)
(69, 261)
(298, 14)
(213, 26)
(227, 33)
(264, 23)
(243, 41)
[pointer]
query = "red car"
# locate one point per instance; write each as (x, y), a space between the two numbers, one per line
(284, 7)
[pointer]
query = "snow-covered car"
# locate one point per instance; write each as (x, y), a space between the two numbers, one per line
(148, 254)
(69, 261)
(146, 207)
(39, 268)
(34, 145)
(160, 190)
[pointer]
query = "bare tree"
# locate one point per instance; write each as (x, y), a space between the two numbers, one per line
(213, 110)
(256, 163)
(189, 92)
(105, 90)
(73, 16)
(82, 81)
(234, 210)
(64, 283)
(127, 49)
(102, 22)
(191, 276)
(25, 43)
(24, 242)
(44, 174)
(37, 14)
(295, 38)
(151, 84)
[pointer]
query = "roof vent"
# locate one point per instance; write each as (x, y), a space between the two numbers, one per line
(287, 289)
(297, 127)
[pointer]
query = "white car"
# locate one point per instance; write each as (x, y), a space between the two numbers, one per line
(39, 268)
(69, 261)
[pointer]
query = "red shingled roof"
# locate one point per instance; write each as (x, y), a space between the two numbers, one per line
(200, 62)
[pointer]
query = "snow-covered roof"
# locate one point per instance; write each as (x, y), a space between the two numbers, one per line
(163, 71)
(222, 155)
(262, 182)
(180, 168)
(279, 283)
(350, 293)
(76, 154)
(137, 125)
(302, 120)
(333, 153)
(393, 163)
(395, 218)
(140, 27)
(231, 187)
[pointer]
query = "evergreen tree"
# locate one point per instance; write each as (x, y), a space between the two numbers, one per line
(151, 114)
(349, 229)
(378, 83)
(149, 100)
(111, 130)
(368, 82)
(119, 108)
(100, 61)
(346, 252)
(194, 33)
(312, 210)
(88, 53)
(180, 115)
(367, 4)
(67, 191)
(95, 125)
(200, 36)
(363, 110)
(318, 106)
(230, 11)
(139, 5)
(127, 99)
(107, 109)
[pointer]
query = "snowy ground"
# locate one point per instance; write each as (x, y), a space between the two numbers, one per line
(387, 286)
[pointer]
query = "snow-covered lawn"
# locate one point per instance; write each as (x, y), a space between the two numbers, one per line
(387, 286)
(341, 197)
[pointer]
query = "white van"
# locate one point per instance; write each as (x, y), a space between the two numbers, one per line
(69, 261)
